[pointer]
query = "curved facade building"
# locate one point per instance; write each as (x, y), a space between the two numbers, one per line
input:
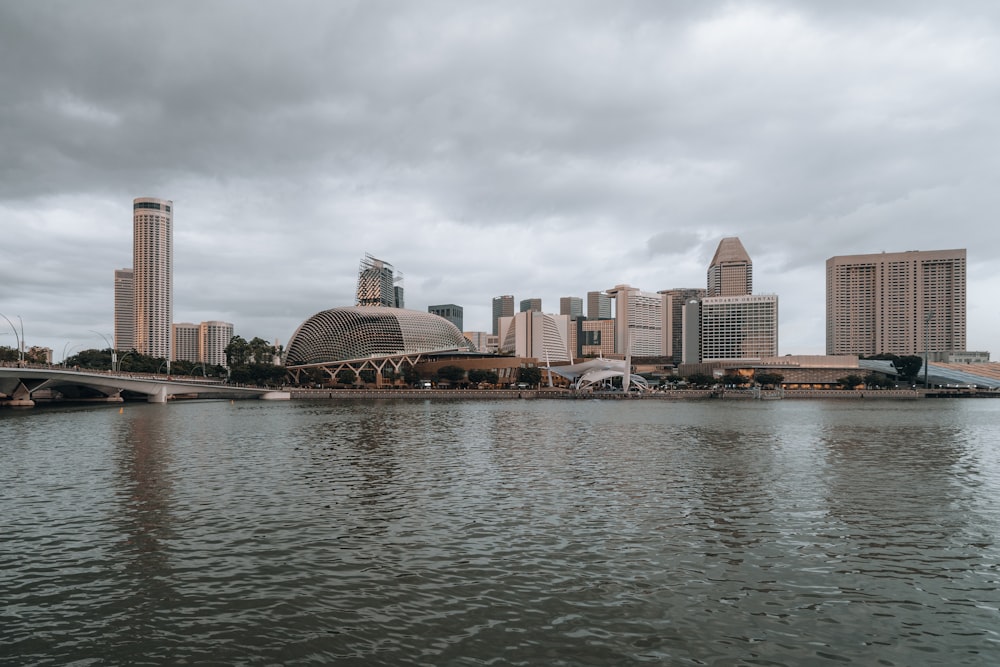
(361, 332)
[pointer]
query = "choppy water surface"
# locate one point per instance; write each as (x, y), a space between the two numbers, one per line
(508, 532)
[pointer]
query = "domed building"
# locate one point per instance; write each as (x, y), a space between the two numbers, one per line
(366, 332)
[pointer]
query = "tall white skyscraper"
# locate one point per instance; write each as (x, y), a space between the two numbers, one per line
(213, 337)
(124, 309)
(153, 266)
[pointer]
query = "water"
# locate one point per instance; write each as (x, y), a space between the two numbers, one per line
(502, 533)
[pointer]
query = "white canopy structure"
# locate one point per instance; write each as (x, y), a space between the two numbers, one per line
(595, 371)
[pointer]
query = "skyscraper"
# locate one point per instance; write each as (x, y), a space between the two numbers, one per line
(153, 265)
(377, 284)
(738, 327)
(451, 312)
(598, 306)
(896, 303)
(531, 305)
(731, 272)
(674, 301)
(185, 342)
(503, 306)
(124, 309)
(572, 306)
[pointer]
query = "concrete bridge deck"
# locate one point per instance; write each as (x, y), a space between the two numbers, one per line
(20, 384)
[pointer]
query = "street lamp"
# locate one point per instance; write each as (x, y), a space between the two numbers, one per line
(114, 352)
(20, 339)
(927, 321)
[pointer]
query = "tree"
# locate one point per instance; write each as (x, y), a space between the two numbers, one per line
(410, 375)
(346, 376)
(770, 379)
(529, 375)
(261, 351)
(850, 381)
(874, 379)
(237, 352)
(700, 380)
(734, 379)
(367, 376)
(452, 374)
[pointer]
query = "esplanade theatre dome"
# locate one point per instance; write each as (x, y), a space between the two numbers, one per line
(360, 332)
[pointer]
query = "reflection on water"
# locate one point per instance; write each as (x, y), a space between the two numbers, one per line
(509, 532)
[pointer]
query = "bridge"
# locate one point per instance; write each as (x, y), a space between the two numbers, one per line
(21, 386)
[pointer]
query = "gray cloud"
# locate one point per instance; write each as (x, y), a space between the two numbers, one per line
(535, 149)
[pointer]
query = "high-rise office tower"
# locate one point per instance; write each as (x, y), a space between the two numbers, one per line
(503, 306)
(377, 284)
(153, 266)
(531, 305)
(572, 306)
(451, 312)
(598, 306)
(731, 272)
(674, 301)
(896, 303)
(124, 309)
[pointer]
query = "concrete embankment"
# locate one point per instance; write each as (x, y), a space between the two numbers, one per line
(679, 394)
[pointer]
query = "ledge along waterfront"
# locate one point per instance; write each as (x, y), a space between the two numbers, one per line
(523, 532)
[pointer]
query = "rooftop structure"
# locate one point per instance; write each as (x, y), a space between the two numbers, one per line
(340, 334)
(377, 284)
(730, 272)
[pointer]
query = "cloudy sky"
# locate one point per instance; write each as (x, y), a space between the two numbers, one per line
(540, 149)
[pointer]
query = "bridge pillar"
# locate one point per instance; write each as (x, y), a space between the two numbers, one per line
(21, 398)
(159, 396)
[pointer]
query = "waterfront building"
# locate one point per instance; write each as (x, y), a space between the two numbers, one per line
(534, 334)
(531, 305)
(361, 332)
(184, 342)
(738, 327)
(213, 339)
(638, 321)
(730, 273)
(598, 306)
(896, 303)
(572, 306)
(153, 265)
(450, 312)
(124, 309)
(503, 306)
(674, 301)
(378, 284)
(481, 340)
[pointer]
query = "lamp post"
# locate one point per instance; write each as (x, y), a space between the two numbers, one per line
(19, 339)
(927, 321)
(114, 352)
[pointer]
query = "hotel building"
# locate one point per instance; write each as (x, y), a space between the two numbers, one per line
(153, 263)
(533, 334)
(896, 303)
(730, 272)
(638, 321)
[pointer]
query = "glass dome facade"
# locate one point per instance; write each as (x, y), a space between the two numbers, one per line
(360, 332)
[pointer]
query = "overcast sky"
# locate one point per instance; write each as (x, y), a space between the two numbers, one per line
(540, 149)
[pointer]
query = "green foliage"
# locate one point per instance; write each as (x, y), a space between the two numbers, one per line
(874, 379)
(237, 353)
(700, 380)
(908, 366)
(452, 374)
(769, 379)
(367, 376)
(734, 379)
(346, 376)
(479, 376)
(529, 375)
(8, 353)
(850, 381)
(410, 375)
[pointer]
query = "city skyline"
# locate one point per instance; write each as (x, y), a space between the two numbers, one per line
(613, 145)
